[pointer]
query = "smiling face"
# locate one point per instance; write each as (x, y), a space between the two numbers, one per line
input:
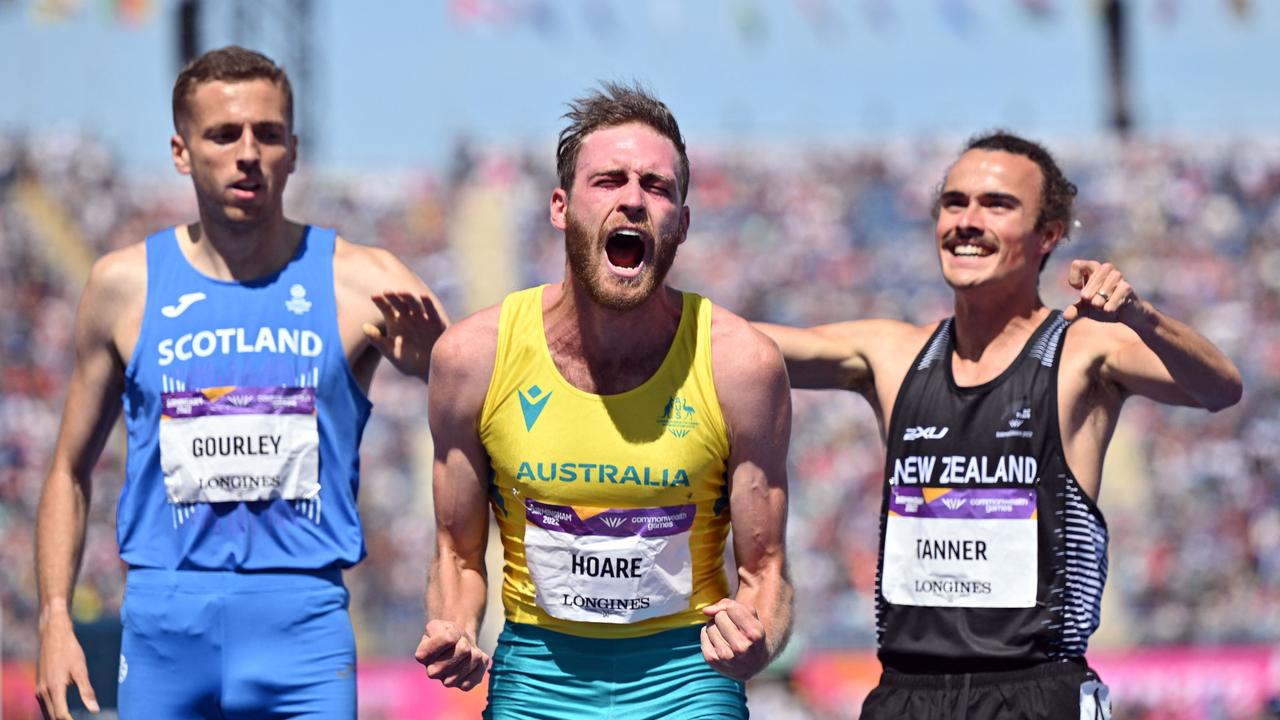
(987, 216)
(624, 217)
(236, 144)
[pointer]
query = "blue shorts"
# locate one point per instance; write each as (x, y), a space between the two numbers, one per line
(201, 644)
(539, 674)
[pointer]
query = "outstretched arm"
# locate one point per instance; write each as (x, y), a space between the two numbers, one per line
(1162, 358)
(382, 302)
(462, 362)
(92, 406)
(744, 633)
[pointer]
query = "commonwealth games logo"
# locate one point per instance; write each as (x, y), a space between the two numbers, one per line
(678, 417)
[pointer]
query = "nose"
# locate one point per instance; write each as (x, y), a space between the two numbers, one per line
(248, 150)
(972, 220)
(631, 200)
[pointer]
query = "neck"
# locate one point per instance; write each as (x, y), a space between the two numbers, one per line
(985, 316)
(233, 252)
(608, 351)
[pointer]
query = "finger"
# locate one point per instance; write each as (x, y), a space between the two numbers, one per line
(1119, 295)
(429, 308)
(402, 305)
(56, 702)
(708, 650)
(446, 667)
(738, 633)
(722, 649)
(374, 333)
(87, 695)
(476, 675)
(1070, 313)
(384, 306)
(715, 607)
(1097, 280)
(435, 647)
(1080, 271)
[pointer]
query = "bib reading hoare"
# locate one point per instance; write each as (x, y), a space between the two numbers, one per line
(991, 556)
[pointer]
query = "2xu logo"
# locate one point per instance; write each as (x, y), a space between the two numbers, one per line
(925, 433)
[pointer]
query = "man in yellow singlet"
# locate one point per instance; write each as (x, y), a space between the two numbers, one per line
(618, 427)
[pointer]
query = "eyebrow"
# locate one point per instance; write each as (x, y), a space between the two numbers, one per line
(649, 175)
(956, 194)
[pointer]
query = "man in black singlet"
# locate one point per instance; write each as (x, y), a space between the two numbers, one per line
(996, 420)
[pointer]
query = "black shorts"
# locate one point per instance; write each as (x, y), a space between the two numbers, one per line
(1053, 691)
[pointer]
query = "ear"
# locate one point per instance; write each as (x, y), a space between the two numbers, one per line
(559, 209)
(684, 224)
(293, 153)
(181, 154)
(1051, 236)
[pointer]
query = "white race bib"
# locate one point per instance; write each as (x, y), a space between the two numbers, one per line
(970, 547)
(609, 566)
(237, 444)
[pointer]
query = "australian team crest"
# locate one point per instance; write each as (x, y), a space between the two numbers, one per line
(678, 417)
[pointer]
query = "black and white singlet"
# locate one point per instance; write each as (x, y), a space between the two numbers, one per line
(991, 556)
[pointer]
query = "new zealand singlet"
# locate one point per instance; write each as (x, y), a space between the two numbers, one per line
(613, 509)
(243, 420)
(991, 557)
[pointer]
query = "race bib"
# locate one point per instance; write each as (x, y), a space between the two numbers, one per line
(236, 444)
(609, 566)
(972, 547)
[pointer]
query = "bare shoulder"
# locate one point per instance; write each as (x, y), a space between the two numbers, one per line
(738, 346)
(465, 353)
(120, 274)
(370, 269)
(117, 286)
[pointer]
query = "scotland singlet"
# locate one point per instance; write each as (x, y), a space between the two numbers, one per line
(991, 556)
(613, 509)
(243, 420)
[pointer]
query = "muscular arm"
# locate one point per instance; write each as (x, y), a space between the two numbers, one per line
(462, 363)
(93, 403)
(824, 357)
(1155, 355)
(384, 310)
(745, 634)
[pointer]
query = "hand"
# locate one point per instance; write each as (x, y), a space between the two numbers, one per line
(411, 324)
(61, 665)
(1104, 293)
(450, 656)
(733, 641)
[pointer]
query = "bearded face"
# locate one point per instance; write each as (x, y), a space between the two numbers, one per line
(620, 266)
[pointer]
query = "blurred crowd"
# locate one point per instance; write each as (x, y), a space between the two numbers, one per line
(781, 234)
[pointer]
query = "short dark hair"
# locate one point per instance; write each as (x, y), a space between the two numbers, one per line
(612, 105)
(1057, 194)
(231, 63)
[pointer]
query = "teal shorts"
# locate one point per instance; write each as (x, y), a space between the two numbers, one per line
(539, 674)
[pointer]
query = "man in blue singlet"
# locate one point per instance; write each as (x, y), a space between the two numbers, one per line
(240, 348)
(993, 553)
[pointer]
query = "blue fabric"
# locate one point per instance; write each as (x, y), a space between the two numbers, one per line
(209, 341)
(208, 644)
(540, 674)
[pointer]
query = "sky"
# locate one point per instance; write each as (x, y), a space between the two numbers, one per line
(393, 84)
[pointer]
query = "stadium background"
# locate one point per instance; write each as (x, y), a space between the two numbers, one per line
(818, 130)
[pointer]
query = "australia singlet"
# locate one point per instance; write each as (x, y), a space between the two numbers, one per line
(243, 420)
(613, 509)
(991, 556)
